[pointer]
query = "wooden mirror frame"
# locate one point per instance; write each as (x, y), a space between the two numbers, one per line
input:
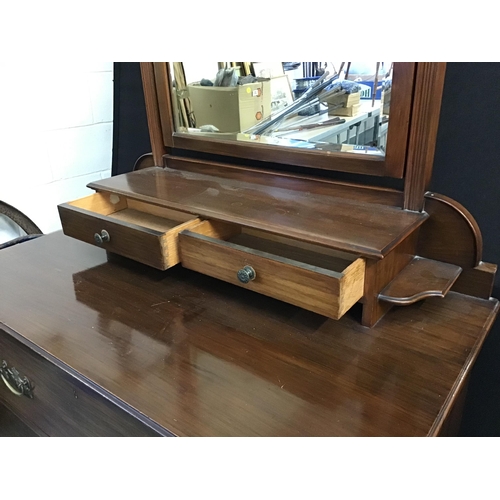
(415, 106)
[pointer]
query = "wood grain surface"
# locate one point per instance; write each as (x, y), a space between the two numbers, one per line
(477, 281)
(152, 111)
(420, 279)
(289, 180)
(323, 290)
(12, 426)
(379, 273)
(340, 223)
(165, 109)
(136, 230)
(451, 234)
(399, 121)
(429, 83)
(199, 359)
(61, 405)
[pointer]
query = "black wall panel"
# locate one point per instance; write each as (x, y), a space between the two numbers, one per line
(130, 126)
(467, 169)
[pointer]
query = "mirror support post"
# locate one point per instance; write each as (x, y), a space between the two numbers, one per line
(154, 124)
(423, 132)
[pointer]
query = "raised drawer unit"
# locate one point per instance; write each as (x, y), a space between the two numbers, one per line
(324, 252)
(53, 402)
(319, 279)
(301, 237)
(131, 228)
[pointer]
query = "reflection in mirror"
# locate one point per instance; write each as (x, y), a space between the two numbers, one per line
(328, 106)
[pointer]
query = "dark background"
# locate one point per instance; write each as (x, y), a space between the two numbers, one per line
(466, 168)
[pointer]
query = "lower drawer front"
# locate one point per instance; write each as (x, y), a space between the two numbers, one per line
(321, 282)
(61, 404)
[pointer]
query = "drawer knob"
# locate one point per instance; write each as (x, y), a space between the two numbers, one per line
(101, 238)
(246, 274)
(17, 385)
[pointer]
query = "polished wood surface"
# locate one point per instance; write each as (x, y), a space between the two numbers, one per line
(152, 112)
(61, 404)
(346, 162)
(289, 180)
(144, 161)
(379, 273)
(199, 359)
(161, 72)
(451, 234)
(429, 83)
(399, 121)
(477, 281)
(301, 213)
(331, 289)
(420, 279)
(137, 230)
(11, 426)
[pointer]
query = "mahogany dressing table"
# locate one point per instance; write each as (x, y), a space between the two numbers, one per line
(207, 297)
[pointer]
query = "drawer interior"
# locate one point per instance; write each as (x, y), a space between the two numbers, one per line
(308, 254)
(319, 279)
(134, 229)
(133, 212)
(280, 247)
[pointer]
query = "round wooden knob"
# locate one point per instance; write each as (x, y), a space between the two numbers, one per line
(246, 274)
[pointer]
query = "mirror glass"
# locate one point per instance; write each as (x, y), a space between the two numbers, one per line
(328, 106)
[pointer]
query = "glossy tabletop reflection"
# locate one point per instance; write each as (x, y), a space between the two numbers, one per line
(314, 212)
(202, 357)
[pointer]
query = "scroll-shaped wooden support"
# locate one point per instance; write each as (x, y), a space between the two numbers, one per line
(420, 279)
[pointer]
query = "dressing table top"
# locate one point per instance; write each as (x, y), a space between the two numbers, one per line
(191, 355)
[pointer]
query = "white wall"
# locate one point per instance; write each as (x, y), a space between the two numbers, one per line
(56, 124)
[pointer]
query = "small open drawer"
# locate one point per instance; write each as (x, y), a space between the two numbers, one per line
(143, 232)
(316, 278)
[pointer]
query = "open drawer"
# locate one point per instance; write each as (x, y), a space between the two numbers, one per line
(143, 232)
(316, 278)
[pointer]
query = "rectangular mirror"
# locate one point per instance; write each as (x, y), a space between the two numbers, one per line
(346, 116)
(327, 106)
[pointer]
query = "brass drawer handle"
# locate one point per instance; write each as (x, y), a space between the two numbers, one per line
(17, 385)
(246, 274)
(101, 238)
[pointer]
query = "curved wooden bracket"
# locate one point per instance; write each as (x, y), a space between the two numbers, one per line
(451, 234)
